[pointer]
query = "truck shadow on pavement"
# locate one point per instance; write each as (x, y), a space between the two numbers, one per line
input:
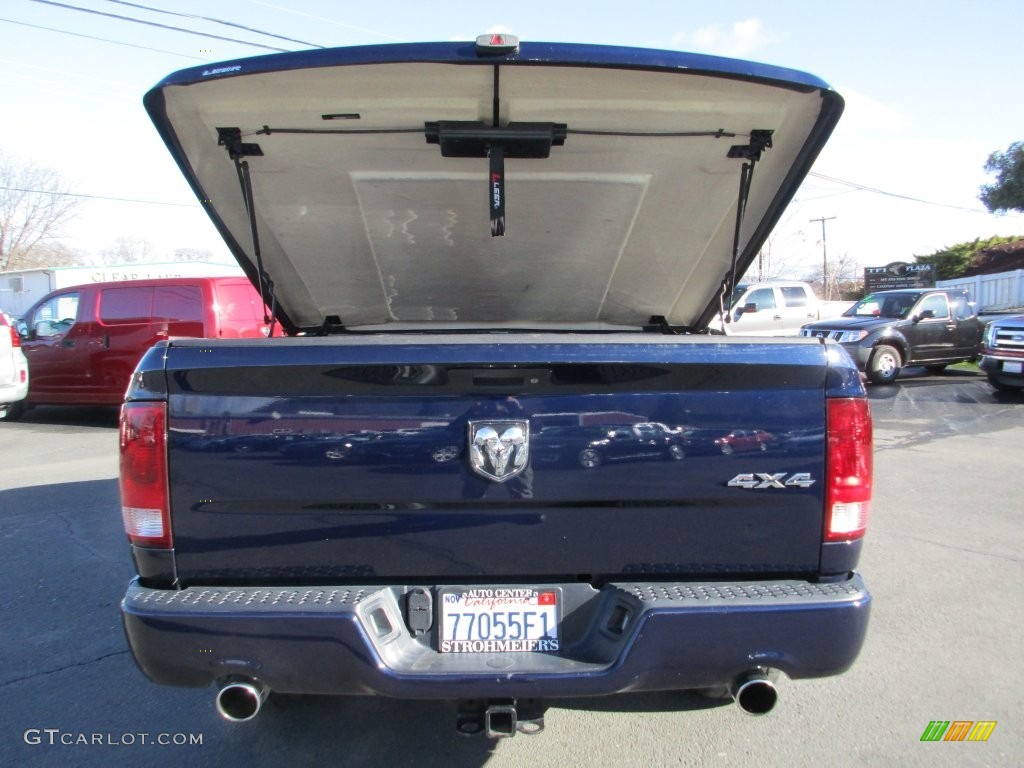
(378, 731)
(921, 386)
(72, 415)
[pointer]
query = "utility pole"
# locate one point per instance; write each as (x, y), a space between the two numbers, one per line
(824, 258)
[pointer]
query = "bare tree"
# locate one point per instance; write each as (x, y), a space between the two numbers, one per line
(192, 254)
(774, 261)
(51, 254)
(34, 203)
(129, 249)
(844, 277)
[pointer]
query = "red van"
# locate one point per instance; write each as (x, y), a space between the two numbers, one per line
(83, 342)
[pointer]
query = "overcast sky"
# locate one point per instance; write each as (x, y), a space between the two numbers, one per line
(932, 88)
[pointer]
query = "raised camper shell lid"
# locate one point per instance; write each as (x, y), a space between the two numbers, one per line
(374, 177)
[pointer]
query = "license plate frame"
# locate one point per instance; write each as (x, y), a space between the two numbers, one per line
(499, 619)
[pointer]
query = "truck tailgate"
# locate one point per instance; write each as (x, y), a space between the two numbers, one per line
(646, 456)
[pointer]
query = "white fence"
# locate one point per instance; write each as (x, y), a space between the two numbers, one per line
(992, 292)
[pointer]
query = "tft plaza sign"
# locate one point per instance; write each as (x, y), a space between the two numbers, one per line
(899, 274)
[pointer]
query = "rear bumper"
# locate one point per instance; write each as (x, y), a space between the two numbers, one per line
(622, 637)
(15, 390)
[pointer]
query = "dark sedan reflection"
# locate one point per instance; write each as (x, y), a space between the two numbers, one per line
(590, 447)
(408, 447)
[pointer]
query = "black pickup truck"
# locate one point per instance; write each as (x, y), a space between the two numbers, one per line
(890, 330)
(485, 463)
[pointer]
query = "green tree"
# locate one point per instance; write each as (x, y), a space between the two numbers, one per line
(1006, 193)
(951, 263)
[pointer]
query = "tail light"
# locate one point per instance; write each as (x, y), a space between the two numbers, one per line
(15, 338)
(145, 505)
(848, 469)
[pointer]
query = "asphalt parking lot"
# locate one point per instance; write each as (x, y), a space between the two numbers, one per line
(942, 558)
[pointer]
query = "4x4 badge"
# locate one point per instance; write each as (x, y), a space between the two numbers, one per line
(777, 480)
(499, 450)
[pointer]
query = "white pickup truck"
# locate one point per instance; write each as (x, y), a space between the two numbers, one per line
(777, 308)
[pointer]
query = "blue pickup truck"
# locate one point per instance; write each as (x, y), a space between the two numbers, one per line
(484, 464)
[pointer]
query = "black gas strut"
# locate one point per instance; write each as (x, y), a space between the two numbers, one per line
(231, 139)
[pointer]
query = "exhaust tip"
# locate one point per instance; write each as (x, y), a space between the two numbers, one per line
(239, 701)
(755, 694)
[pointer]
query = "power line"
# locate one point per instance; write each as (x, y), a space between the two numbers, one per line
(327, 20)
(104, 39)
(161, 26)
(215, 21)
(101, 197)
(69, 90)
(66, 74)
(863, 188)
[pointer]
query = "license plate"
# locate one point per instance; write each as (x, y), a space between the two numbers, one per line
(499, 619)
(1010, 366)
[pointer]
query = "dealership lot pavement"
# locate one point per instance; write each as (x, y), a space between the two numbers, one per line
(943, 559)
